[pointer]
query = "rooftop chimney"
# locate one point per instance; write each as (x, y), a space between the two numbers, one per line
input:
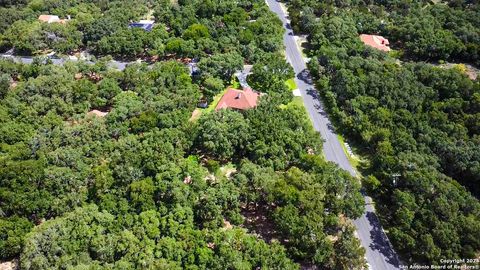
(238, 95)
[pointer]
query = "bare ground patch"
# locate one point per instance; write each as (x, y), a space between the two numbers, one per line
(258, 222)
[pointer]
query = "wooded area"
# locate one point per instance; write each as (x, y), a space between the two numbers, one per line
(418, 123)
(186, 29)
(102, 169)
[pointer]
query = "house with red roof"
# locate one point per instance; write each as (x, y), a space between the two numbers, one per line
(238, 99)
(377, 42)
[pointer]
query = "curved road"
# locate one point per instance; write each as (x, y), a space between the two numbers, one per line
(379, 252)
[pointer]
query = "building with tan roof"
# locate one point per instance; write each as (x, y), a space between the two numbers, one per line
(97, 113)
(51, 19)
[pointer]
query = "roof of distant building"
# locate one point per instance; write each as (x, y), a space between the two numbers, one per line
(377, 42)
(238, 99)
(144, 24)
(97, 113)
(146, 21)
(50, 19)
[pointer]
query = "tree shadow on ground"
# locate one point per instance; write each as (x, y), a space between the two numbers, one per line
(380, 241)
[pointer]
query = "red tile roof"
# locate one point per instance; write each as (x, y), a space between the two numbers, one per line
(238, 99)
(377, 42)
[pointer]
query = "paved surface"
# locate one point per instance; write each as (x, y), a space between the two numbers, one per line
(379, 252)
(242, 75)
(60, 61)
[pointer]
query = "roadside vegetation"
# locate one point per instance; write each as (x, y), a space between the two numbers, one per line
(417, 122)
(102, 169)
(291, 84)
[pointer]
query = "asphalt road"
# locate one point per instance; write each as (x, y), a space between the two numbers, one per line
(60, 61)
(379, 252)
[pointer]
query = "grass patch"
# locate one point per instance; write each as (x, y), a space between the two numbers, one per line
(198, 112)
(195, 115)
(354, 160)
(291, 84)
(296, 102)
(235, 83)
(215, 101)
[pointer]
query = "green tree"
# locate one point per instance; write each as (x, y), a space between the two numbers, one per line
(196, 31)
(12, 233)
(141, 194)
(221, 65)
(269, 76)
(222, 135)
(212, 86)
(5, 81)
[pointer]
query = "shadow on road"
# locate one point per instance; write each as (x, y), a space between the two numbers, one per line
(380, 240)
(304, 76)
(313, 93)
(317, 102)
(331, 128)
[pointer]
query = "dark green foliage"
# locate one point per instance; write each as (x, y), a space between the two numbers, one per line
(303, 204)
(91, 238)
(292, 135)
(229, 135)
(269, 76)
(160, 206)
(439, 32)
(48, 145)
(12, 232)
(195, 28)
(222, 66)
(414, 120)
(423, 30)
(144, 187)
(212, 165)
(196, 31)
(128, 42)
(5, 81)
(223, 135)
(180, 47)
(212, 86)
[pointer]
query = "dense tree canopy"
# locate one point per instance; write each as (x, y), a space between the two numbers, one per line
(417, 122)
(305, 206)
(421, 30)
(269, 75)
(107, 169)
(89, 238)
(182, 28)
